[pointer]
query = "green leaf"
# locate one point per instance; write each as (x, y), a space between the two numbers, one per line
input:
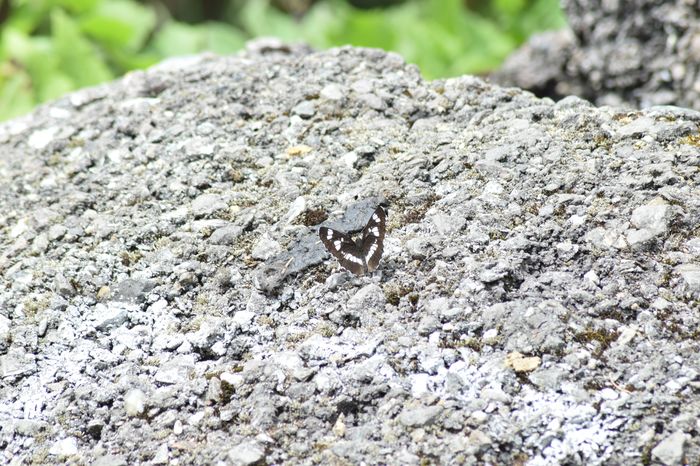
(323, 23)
(540, 16)
(49, 52)
(111, 32)
(221, 38)
(16, 97)
(183, 39)
(36, 56)
(14, 44)
(76, 6)
(26, 15)
(510, 7)
(125, 60)
(43, 65)
(447, 14)
(77, 57)
(120, 23)
(260, 19)
(174, 39)
(370, 29)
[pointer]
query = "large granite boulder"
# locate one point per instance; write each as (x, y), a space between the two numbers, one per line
(165, 297)
(637, 53)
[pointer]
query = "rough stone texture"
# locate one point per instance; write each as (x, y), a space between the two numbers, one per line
(130, 331)
(670, 450)
(638, 53)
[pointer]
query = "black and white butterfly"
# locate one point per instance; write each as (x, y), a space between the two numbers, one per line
(358, 256)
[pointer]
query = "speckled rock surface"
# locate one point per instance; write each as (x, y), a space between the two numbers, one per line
(637, 53)
(165, 298)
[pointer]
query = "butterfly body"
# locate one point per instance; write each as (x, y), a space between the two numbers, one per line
(359, 256)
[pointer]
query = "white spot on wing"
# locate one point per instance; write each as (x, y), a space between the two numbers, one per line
(329, 234)
(371, 251)
(376, 218)
(374, 231)
(352, 258)
(337, 244)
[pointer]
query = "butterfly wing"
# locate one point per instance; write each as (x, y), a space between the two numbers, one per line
(373, 238)
(343, 248)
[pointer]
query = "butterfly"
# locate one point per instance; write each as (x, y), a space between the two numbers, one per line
(358, 256)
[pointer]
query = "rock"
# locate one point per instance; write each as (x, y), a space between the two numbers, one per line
(305, 109)
(110, 460)
(177, 427)
(580, 59)
(638, 237)
(419, 417)
(269, 276)
(520, 363)
(162, 455)
(248, 453)
(265, 248)
(109, 317)
(41, 329)
(29, 427)
(478, 438)
(690, 274)
(369, 298)
(446, 224)
(132, 290)
(64, 447)
(478, 417)
(5, 336)
(175, 371)
(350, 159)
(208, 204)
(41, 138)
(653, 216)
(626, 335)
(332, 92)
(208, 337)
(670, 450)
(592, 277)
(243, 318)
(165, 297)
(419, 248)
(16, 363)
(226, 236)
(549, 378)
(335, 280)
(40, 243)
(608, 394)
(339, 427)
(94, 428)
(490, 336)
(235, 380)
(56, 232)
(601, 238)
(693, 246)
(135, 402)
(63, 286)
(295, 209)
(428, 324)
(495, 393)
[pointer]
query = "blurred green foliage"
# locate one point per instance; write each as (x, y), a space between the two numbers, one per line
(50, 47)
